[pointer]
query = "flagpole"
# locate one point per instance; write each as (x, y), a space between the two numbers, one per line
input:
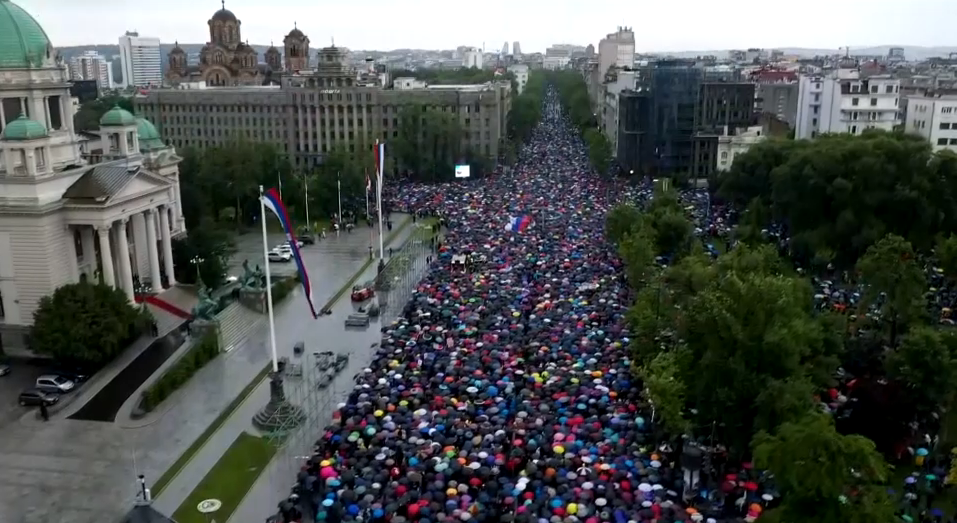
(279, 177)
(305, 183)
(379, 177)
(272, 319)
(339, 190)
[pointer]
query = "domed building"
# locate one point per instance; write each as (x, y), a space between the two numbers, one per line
(225, 60)
(64, 218)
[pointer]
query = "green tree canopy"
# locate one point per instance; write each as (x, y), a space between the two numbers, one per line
(620, 221)
(924, 367)
(894, 283)
(842, 193)
(84, 324)
(208, 243)
(823, 476)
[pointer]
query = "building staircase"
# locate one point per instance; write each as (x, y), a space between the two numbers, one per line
(236, 324)
(169, 308)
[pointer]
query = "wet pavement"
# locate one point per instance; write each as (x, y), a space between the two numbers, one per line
(85, 472)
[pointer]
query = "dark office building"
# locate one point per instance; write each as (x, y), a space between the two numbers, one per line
(84, 90)
(636, 145)
(722, 108)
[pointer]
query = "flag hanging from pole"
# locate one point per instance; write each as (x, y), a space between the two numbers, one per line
(273, 202)
(379, 162)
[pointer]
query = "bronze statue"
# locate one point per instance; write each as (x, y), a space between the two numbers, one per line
(205, 309)
(252, 279)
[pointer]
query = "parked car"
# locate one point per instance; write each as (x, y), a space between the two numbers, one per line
(276, 255)
(306, 239)
(34, 397)
(4, 369)
(299, 242)
(55, 383)
(362, 293)
(74, 375)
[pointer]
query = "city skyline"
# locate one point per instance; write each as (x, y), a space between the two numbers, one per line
(714, 26)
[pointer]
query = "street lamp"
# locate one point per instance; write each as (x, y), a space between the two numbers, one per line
(196, 262)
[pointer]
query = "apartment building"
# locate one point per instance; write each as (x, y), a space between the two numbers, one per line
(91, 66)
(844, 102)
(935, 119)
(141, 60)
(311, 114)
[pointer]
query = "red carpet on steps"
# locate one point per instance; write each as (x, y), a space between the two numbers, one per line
(165, 305)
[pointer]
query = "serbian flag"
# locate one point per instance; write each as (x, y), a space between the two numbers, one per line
(379, 161)
(518, 223)
(272, 202)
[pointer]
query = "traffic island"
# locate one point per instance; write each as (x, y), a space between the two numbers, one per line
(229, 480)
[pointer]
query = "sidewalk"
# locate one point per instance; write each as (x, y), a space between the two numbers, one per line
(274, 483)
(243, 363)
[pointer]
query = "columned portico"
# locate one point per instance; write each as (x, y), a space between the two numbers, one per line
(123, 246)
(166, 233)
(156, 279)
(106, 256)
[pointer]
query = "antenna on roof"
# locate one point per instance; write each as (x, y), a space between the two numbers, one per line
(223, 2)
(295, 26)
(333, 41)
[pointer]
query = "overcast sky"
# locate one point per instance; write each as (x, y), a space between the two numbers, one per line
(660, 25)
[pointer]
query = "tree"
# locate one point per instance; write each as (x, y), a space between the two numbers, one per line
(947, 255)
(924, 367)
(840, 194)
(824, 476)
(87, 118)
(526, 108)
(84, 324)
(637, 251)
(894, 283)
(665, 390)
(208, 243)
(620, 221)
(429, 143)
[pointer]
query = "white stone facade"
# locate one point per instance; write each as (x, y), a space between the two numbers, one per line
(934, 119)
(843, 102)
(63, 219)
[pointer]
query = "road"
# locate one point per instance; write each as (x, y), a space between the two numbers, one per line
(85, 472)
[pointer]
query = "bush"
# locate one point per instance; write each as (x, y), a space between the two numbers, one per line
(283, 287)
(184, 369)
(85, 324)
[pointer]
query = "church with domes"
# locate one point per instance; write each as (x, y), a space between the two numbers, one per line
(65, 218)
(227, 60)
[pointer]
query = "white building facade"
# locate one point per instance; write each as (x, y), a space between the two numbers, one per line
(63, 220)
(729, 147)
(92, 66)
(935, 119)
(843, 102)
(473, 58)
(617, 49)
(521, 75)
(141, 60)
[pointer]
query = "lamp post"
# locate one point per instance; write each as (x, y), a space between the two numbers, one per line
(196, 262)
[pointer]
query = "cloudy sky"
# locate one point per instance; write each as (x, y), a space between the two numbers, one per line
(445, 24)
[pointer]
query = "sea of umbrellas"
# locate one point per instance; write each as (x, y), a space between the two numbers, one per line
(504, 392)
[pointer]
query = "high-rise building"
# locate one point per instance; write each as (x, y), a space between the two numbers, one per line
(91, 66)
(616, 49)
(473, 58)
(141, 60)
(516, 49)
(843, 102)
(505, 49)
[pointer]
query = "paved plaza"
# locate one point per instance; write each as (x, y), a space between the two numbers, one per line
(85, 472)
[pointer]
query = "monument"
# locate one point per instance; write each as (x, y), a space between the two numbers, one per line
(252, 289)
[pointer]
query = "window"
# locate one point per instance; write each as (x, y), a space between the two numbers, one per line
(944, 126)
(953, 141)
(724, 155)
(946, 110)
(873, 102)
(874, 89)
(853, 129)
(855, 101)
(814, 122)
(942, 141)
(889, 89)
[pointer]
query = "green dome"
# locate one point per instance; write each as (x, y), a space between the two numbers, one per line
(148, 136)
(23, 128)
(23, 43)
(117, 116)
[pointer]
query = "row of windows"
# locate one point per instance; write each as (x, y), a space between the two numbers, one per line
(325, 147)
(857, 101)
(947, 141)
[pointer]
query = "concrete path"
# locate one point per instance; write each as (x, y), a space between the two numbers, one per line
(293, 324)
(85, 472)
(274, 483)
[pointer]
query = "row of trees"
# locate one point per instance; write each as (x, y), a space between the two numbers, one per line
(459, 76)
(574, 97)
(837, 195)
(730, 352)
(526, 108)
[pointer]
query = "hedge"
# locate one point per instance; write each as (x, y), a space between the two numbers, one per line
(283, 287)
(184, 369)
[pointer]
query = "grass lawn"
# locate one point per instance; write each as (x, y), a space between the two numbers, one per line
(228, 480)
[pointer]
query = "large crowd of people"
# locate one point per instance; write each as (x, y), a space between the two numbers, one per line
(504, 392)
